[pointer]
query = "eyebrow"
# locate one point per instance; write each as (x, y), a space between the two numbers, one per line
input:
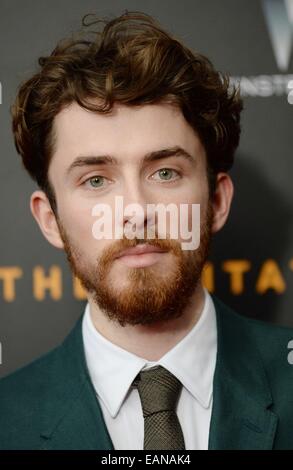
(91, 160)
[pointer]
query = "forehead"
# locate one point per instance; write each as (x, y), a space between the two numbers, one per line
(127, 132)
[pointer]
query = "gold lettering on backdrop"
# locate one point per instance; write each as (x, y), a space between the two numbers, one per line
(208, 276)
(78, 291)
(270, 277)
(42, 283)
(48, 281)
(236, 268)
(9, 275)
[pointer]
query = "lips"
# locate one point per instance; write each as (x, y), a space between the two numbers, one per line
(140, 250)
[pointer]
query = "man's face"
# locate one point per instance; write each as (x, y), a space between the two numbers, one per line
(147, 288)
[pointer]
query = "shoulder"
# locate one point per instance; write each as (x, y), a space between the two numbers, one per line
(28, 379)
(21, 401)
(265, 342)
(263, 333)
(25, 394)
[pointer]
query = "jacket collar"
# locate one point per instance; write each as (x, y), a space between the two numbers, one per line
(241, 418)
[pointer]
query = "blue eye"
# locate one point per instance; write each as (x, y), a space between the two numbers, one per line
(166, 173)
(95, 181)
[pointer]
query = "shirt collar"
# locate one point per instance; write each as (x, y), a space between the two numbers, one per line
(192, 360)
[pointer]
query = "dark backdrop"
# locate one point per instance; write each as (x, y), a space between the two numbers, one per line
(251, 264)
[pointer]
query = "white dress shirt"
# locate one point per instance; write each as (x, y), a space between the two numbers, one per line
(192, 360)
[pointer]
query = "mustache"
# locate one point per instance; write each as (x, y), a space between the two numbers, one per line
(114, 251)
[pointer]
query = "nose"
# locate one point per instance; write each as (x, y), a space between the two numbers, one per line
(135, 215)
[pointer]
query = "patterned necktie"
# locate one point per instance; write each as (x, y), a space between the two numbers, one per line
(159, 392)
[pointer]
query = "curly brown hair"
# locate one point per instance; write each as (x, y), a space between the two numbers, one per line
(132, 60)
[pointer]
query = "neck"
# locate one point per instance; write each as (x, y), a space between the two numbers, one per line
(150, 342)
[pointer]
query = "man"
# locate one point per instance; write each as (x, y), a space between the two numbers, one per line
(155, 362)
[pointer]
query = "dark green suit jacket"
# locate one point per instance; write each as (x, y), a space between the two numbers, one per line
(51, 403)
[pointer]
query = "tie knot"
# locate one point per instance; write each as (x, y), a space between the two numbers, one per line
(158, 389)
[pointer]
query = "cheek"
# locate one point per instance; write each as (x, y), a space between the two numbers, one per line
(195, 209)
(76, 216)
(78, 221)
(78, 225)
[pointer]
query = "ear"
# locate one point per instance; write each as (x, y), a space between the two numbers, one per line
(45, 217)
(221, 201)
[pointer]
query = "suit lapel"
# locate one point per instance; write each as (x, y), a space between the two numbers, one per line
(71, 416)
(241, 418)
